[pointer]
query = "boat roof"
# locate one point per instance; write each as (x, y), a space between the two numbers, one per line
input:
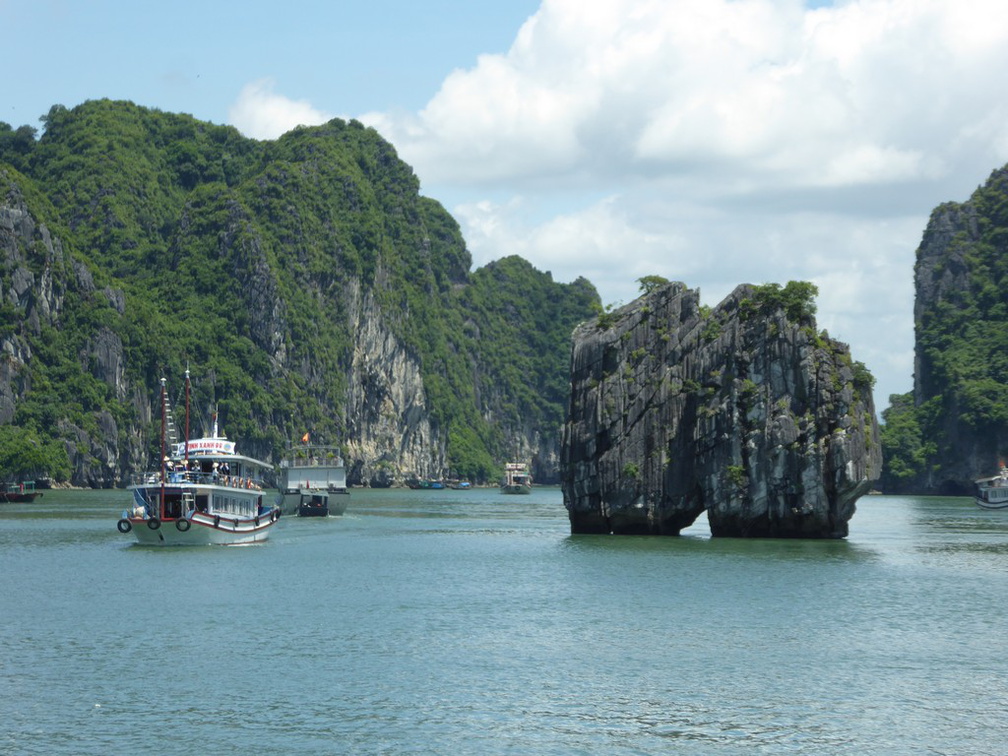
(216, 449)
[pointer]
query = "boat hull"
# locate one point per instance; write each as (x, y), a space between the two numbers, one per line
(992, 493)
(201, 530)
(985, 504)
(516, 489)
(19, 498)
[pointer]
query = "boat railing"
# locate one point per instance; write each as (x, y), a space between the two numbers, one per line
(313, 462)
(182, 477)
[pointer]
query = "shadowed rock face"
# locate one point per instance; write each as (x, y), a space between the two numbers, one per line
(760, 421)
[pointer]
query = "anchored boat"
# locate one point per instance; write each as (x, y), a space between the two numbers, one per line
(22, 493)
(203, 493)
(313, 481)
(517, 479)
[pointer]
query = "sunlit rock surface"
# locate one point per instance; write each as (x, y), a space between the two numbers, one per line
(763, 422)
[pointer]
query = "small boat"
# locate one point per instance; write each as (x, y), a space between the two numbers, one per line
(426, 484)
(203, 493)
(314, 503)
(21, 493)
(992, 493)
(312, 481)
(517, 479)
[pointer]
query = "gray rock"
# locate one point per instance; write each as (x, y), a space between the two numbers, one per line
(761, 422)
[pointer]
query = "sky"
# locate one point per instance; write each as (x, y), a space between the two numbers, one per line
(714, 142)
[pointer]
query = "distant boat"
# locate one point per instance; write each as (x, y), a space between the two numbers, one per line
(517, 479)
(426, 484)
(202, 493)
(992, 493)
(313, 480)
(22, 493)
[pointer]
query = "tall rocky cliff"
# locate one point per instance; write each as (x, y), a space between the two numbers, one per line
(744, 412)
(305, 280)
(953, 429)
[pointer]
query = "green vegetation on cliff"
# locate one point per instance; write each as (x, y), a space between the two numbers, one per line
(185, 243)
(954, 426)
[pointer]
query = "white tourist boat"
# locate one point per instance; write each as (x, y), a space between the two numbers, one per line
(312, 480)
(992, 493)
(517, 479)
(204, 492)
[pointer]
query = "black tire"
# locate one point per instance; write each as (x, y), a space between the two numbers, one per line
(183, 524)
(124, 525)
(153, 523)
(216, 521)
(257, 521)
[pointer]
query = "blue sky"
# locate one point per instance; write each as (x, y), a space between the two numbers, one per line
(714, 142)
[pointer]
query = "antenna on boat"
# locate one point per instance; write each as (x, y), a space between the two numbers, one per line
(187, 436)
(164, 458)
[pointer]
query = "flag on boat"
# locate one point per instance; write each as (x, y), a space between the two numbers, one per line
(304, 439)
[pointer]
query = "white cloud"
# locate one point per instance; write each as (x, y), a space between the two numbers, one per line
(719, 142)
(866, 92)
(262, 114)
(734, 141)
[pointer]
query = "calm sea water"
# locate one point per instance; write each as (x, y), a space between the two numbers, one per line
(468, 622)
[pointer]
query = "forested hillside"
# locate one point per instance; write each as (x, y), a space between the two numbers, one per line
(305, 282)
(953, 427)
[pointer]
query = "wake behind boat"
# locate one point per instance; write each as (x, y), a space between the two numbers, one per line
(992, 493)
(204, 493)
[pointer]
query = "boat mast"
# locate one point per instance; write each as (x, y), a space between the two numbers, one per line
(187, 417)
(164, 421)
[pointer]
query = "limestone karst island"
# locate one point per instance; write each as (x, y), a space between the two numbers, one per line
(308, 286)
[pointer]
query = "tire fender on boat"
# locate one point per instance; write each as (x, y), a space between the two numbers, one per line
(183, 524)
(216, 521)
(153, 523)
(257, 521)
(124, 525)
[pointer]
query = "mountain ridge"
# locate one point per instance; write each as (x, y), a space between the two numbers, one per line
(305, 280)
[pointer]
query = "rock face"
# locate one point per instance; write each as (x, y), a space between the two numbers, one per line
(391, 431)
(960, 308)
(389, 423)
(761, 422)
(40, 275)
